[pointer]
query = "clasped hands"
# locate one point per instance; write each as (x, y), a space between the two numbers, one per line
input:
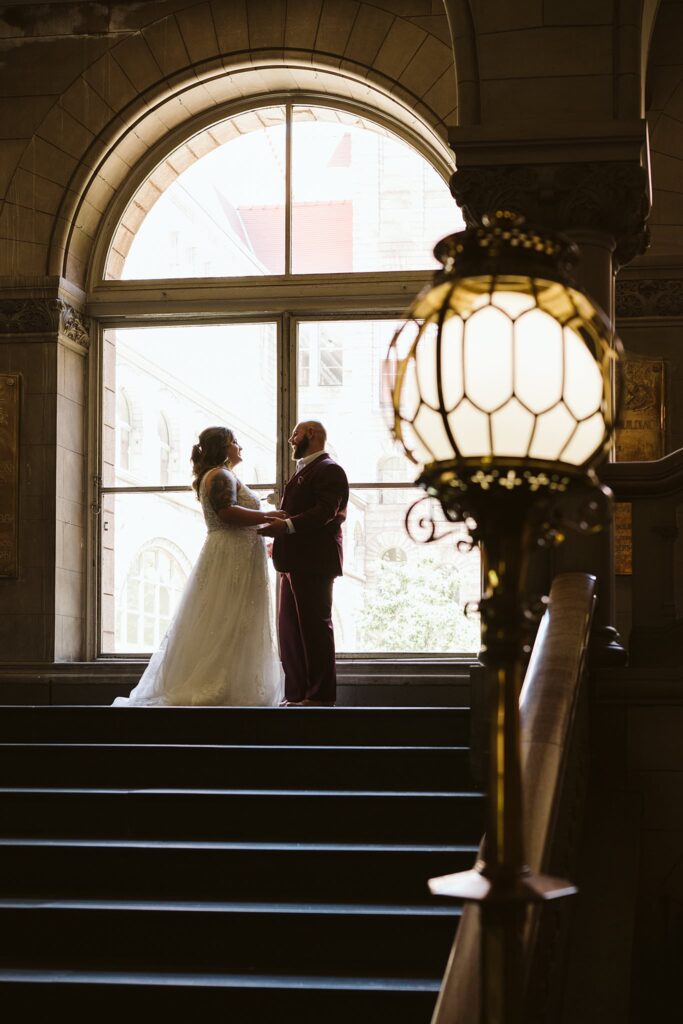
(276, 524)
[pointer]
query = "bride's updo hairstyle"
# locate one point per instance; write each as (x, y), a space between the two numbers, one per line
(211, 451)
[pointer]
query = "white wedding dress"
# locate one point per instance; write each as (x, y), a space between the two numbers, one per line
(220, 647)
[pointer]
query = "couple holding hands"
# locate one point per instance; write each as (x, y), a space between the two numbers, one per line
(220, 648)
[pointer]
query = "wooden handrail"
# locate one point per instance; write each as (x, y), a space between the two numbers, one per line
(547, 708)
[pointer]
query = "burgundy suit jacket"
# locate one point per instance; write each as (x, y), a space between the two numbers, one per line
(315, 499)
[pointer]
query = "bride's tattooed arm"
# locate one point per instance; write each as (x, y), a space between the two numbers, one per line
(222, 491)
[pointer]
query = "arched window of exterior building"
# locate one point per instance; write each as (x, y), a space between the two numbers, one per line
(304, 363)
(330, 363)
(277, 247)
(392, 470)
(124, 427)
(394, 556)
(358, 557)
(164, 449)
(150, 596)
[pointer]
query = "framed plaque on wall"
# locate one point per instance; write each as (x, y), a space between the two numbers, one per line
(641, 425)
(639, 436)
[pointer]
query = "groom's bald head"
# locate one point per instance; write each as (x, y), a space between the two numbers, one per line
(307, 438)
(315, 428)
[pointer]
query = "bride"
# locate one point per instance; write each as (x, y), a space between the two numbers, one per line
(220, 647)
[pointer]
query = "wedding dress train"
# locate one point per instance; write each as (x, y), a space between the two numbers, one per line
(220, 648)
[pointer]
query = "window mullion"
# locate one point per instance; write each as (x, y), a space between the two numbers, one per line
(288, 189)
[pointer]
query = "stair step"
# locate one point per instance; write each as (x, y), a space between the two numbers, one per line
(256, 766)
(224, 981)
(276, 859)
(226, 871)
(265, 937)
(319, 726)
(306, 998)
(262, 814)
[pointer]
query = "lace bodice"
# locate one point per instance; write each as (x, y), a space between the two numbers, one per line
(245, 498)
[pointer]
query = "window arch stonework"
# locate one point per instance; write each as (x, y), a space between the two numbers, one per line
(217, 75)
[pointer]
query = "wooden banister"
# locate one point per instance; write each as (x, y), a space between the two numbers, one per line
(547, 707)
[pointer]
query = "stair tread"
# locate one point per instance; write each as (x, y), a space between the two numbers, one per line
(309, 747)
(211, 979)
(176, 791)
(350, 870)
(243, 845)
(236, 907)
(106, 709)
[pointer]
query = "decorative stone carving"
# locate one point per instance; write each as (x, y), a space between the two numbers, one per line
(44, 316)
(26, 316)
(73, 325)
(606, 196)
(649, 297)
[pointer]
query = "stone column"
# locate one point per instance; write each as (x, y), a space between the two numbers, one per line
(45, 339)
(590, 182)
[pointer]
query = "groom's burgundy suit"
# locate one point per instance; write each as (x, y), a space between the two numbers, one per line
(315, 501)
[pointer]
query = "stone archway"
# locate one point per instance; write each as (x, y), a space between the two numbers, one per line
(160, 78)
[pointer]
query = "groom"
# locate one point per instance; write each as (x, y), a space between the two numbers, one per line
(307, 551)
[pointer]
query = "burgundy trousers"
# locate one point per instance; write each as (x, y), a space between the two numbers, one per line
(306, 636)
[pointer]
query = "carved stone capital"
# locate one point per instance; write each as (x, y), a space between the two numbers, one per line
(44, 316)
(649, 297)
(609, 196)
(74, 325)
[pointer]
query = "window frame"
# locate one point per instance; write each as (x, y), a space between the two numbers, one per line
(417, 134)
(284, 299)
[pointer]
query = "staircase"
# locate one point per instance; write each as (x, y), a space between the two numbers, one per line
(268, 864)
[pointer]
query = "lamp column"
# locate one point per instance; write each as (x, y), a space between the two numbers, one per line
(591, 184)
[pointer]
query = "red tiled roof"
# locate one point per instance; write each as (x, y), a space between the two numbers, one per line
(322, 236)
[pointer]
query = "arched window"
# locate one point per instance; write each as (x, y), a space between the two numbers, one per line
(360, 199)
(358, 547)
(304, 363)
(394, 469)
(330, 363)
(394, 556)
(164, 449)
(277, 247)
(150, 596)
(124, 427)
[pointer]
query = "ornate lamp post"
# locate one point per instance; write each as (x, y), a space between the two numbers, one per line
(501, 392)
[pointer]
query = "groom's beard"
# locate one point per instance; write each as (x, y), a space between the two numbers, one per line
(302, 448)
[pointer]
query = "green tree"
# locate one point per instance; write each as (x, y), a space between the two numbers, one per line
(416, 608)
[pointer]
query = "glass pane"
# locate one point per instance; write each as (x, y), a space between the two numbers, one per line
(191, 378)
(155, 538)
(362, 199)
(399, 595)
(213, 215)
(340, 382)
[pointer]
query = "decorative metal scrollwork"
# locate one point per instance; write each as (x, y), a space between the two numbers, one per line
(424, 524)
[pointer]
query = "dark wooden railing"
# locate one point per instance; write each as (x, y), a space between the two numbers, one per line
(553, 760)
